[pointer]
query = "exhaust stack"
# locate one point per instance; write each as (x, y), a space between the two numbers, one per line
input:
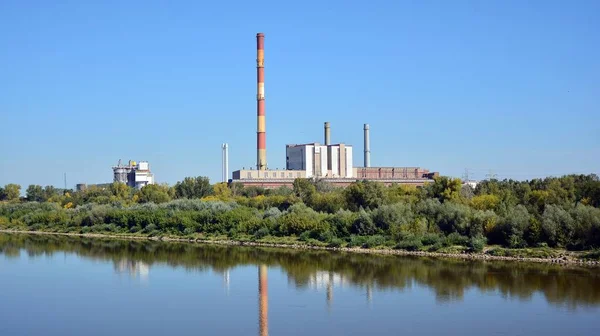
(261, 131)
(328, 144)
(367, 147)
(225, 163)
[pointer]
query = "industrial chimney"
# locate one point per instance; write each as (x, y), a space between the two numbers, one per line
(225, 162)
(328, 144)
(261, 132)
(367, 147)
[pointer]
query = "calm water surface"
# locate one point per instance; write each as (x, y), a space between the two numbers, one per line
(76, 286)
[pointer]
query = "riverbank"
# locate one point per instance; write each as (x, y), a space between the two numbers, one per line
(560, 257)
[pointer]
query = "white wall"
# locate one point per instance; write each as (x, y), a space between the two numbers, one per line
(349, 162)
(323, 160)
(335, 153)
(309, 155)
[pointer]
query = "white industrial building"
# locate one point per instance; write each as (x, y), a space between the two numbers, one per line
(320, 160)
(134, 174)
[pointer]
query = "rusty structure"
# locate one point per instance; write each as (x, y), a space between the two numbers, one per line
(261, 131)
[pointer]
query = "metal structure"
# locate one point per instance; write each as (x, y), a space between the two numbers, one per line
(261, 132)
(367, 162)
(328, 144)
(225, 162)
(134, 174)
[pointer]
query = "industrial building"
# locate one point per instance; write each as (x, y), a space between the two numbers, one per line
(328, 162)
(134, 174)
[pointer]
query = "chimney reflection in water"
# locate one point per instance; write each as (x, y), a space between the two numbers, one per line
(263, 301)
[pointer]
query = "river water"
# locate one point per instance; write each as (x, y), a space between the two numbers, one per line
(51, 285)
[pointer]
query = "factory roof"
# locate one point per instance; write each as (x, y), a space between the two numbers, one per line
(316, 144)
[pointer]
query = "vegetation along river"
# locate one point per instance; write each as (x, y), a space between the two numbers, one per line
(56, 285)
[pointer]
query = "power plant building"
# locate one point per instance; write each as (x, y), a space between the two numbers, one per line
(134, 174)
(320, 160)
(331, 163)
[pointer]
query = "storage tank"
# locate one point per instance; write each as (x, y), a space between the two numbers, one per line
(120, 175)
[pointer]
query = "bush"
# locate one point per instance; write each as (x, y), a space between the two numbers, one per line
(476, 244)
(431, 239)
(363, 225)
(436, 247)
(374, 241)
(261, 233)
(456, 239)
(357, 241)
(305, 236)
(335, 242)
(410, 244)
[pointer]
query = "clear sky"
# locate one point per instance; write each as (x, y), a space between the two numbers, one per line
(507, 86)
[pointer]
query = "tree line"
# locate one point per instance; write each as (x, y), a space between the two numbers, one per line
(556, 212)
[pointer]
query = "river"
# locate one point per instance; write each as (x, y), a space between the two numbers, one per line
(56, 285)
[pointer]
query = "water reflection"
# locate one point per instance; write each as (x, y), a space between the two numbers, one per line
(263, 301)
(572, 287)
(132, 267)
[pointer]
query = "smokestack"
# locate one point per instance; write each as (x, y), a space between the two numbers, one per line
(367, 147)
(225, 159)
(261, 132)
(328, 144)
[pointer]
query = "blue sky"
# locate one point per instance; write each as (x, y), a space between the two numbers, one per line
(507, 86)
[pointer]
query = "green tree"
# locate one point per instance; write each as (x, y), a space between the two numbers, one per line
(120, 190)
(11, 192)
(154, 193)
(193, 187)
(35, 193)
(364, 194)
(50, 192)
(445, 189)
(304, 188)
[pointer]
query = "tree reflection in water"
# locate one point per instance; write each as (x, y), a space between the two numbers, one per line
(571, 286)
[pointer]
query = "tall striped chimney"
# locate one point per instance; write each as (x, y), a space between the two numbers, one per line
(261, 131)
(367, 147)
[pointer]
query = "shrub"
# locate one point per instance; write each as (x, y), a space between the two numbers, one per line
(335, 242)
(357, 241)
(261, 233)
(476, 244)
(410, 244)
(363, 225)
(374, 241)
(456, 239)
(431, 239)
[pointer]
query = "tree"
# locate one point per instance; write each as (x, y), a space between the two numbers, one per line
(49, 192)
(120, 190)
(222, 191)
(154, 193)
(193, 187)
(445, 189)
(364, 194)
(35, 193)
(304, 188)
(11, 192)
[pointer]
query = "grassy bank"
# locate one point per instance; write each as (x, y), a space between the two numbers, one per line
(552, 219)
(492, 253)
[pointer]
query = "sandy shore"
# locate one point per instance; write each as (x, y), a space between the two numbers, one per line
(562, 260)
